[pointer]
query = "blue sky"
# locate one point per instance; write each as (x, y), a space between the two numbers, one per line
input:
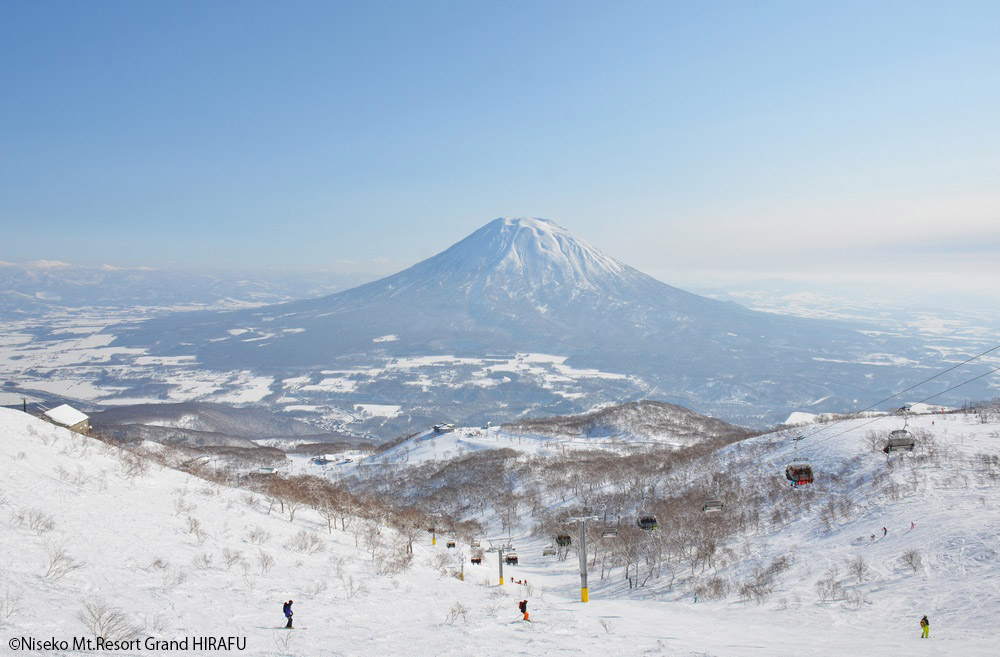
(728, 138)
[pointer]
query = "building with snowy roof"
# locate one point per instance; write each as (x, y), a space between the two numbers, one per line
(68, 416)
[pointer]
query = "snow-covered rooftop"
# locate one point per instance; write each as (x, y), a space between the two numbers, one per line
(66, 415)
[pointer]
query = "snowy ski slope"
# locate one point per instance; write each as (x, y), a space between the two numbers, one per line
(139, 552)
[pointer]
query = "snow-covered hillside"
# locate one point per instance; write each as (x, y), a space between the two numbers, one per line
(179, 556)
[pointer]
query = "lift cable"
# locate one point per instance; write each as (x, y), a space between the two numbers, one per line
(976, 378)
(915, 385)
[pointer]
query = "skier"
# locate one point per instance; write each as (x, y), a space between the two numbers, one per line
(884, 532)
(287, 608)
(523, 606)
(913, 525)
(926, 624)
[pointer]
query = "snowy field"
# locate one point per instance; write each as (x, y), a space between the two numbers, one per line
(182, 557)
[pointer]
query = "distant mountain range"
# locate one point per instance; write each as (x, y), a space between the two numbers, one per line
(522, 318)
(40, 285)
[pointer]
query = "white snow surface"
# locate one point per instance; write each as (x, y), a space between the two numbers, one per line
(133, 539)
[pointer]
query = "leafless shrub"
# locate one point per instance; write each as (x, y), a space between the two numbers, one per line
(352, 588)
(133, 466)
(20, 456)
(856, 598)
(857, 568)
(159, 564)
(258, 536)
(107, 622)
(9, 602)
(171, 580)
(203, 560)
(62, 473)
(441, 562)
(715, 588)
(306, 542)
(265, 561)
(829, 587)
(608, 628)
(250, 500)
(231, 557)
(249, 578)
(39, 521)
(18, 516)
(157, 625)
(60, 563)
(458, 610)
(283, 640)
(317, 587)
(182, 506)
(913, 559)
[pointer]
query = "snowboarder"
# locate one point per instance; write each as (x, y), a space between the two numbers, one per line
(287, 609)
(523, 606)
(884, 532)
(926, 624)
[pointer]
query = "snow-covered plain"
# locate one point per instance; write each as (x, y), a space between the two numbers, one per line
(155, 545)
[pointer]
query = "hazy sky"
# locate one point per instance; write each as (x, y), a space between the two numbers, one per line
(729, 138)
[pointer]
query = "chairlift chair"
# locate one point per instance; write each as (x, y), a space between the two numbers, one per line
(712, 506)
(647, 523)
(474, 543)
(564, 540)
(450, 543)
(799, 473)
(548, 550)
(510, 559)
(900, 440)
(609, 532)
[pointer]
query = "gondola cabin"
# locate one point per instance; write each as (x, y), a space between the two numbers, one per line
(563, 540)
(712, 506)
(799, 473)
(900, 440)
(647, 523)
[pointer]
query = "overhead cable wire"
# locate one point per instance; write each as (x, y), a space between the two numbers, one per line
(915, 385)
(937, 394)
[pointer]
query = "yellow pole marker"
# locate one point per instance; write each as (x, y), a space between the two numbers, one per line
(584, 595)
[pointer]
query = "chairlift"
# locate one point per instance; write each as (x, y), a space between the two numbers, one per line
(799, 472)
(450, 543)
(714, 503)
(900, 440)
(609, 532)
(712, 506)
(548, 550)
(564, 540)
(474, 543)
(510, 559)
(647, 523)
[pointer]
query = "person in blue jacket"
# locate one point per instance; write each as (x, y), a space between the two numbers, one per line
(287, 608)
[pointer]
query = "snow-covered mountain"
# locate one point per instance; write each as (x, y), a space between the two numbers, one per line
(439, 337)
